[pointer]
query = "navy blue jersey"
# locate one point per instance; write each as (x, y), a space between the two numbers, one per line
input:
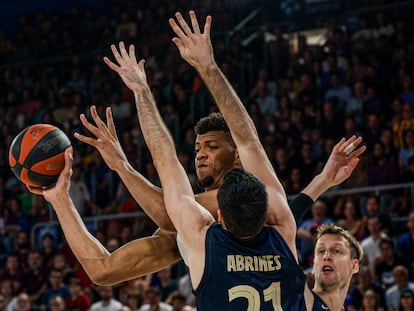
(318, 304)
(260, 274)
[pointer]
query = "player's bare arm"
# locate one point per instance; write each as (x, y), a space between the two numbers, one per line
(106, 141)
(339, 167)
(178, 195)
(134, 259)
(195, 47)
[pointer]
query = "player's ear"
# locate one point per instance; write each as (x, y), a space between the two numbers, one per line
(219, 216)
(237, 162)
(355, 266)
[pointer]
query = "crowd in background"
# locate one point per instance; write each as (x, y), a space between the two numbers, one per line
(303, 98)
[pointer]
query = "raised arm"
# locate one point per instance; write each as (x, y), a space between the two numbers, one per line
(339, 167)
(148, 196)
(132, 260)
(178, 194)
(195, 47)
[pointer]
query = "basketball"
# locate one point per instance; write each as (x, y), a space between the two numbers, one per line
(37, 154)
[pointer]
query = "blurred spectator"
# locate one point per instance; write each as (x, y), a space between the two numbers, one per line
(166, 284)
(387, 261)
(405, 244)
(6, 293)
(331, 121)
(57, 304)
(56, 287)
(266, 101)
(306, 163)
(80, 193)
(372, 131)
(392, 295)
(341, 93)
(134, 301)
(371, 208)
(370, 244)
(35, 276)
(357, 293)
(387, 138)
(21, 245)
(153, 301)
(371, 301)
(177, 300)
(407, 150)
(281, 165)
(407, 94)
(23, 303)
(294, 184)
(406, 300)
(48, 248)
(59, 262)
(78, 300)
(106, 300)
(101, 181)
(382, 26)
(13, 272)
(351, 219)
(406, 122)
(355, 104)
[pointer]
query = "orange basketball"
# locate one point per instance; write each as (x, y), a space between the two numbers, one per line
(37, 154)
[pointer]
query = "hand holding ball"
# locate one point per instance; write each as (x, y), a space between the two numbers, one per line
(37, 155)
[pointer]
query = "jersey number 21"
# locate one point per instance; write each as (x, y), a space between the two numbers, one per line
(272, 293)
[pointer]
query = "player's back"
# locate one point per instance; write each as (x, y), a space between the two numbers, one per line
(259, 274)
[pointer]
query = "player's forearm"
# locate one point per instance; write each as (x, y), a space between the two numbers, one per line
(240, 124)
(155, 133)
(317, 187)
(147, 195)
(83, 244)
(162, 149)
(137, 258)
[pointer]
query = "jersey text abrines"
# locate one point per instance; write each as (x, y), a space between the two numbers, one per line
(265, 263)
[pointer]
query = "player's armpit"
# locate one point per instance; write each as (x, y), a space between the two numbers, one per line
(208, 200)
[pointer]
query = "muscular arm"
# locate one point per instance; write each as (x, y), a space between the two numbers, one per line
(178, 194)
(148, 196)
(106, 141)
(196, 49)
(132, 260)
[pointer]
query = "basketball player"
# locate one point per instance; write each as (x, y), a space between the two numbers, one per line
(127, 250)
(337, 254)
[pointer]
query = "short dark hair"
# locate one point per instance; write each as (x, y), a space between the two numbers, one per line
(387, 240)
(177, 295)
(213, 122)
(242, 200)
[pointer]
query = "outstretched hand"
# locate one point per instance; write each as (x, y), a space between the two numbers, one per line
(194, 47)
(106, 141)
(60, 191)
(342, 162)
(131, 72)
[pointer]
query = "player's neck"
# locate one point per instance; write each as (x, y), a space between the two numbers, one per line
(334, 299)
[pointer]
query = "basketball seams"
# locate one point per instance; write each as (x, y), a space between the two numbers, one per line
(29, 141)
(15, 148)
(36, 154)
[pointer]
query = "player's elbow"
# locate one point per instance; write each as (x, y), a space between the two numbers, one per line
(100, 273)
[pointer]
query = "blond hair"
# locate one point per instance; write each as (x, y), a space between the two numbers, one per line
(354, 245)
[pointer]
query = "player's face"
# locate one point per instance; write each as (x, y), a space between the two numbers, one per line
(215, 155)
(333, 266)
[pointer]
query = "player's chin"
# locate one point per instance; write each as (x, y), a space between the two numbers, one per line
(206, 181)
